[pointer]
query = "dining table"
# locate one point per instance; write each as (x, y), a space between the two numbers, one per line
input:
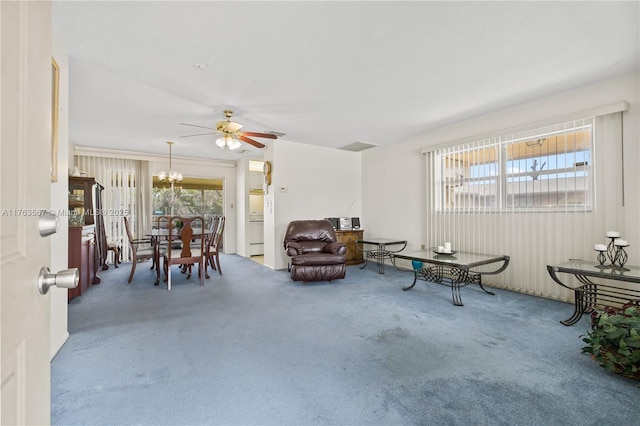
(158, 235)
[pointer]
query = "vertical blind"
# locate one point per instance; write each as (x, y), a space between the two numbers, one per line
(125, 184)
(541, 196)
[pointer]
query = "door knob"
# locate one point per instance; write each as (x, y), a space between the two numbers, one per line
(48, 223)
(67, 278)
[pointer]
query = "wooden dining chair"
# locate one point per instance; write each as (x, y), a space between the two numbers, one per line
(192, 229)
(113, 246)
(141, 249)
(214, 246)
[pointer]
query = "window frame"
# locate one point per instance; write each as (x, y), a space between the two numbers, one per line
(200, 186)
(504, 177)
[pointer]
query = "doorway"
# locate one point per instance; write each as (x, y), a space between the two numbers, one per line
(256, 211)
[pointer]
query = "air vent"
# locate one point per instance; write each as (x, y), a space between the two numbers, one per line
(357, 146)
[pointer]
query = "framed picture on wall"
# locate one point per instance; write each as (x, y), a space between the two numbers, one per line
(55, 101)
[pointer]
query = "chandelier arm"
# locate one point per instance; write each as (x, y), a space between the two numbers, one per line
(171, 176)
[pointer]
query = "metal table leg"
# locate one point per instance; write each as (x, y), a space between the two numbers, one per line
(380, 258)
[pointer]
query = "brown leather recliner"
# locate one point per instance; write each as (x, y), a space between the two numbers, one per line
(316, 255)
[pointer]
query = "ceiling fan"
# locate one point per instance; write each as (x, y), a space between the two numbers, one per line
(231, 134)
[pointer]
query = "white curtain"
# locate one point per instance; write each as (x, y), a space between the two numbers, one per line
(533, 237)
(127, 192)
(144, 185)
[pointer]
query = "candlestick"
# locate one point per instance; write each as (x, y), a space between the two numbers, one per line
(611, 249)
(613, 234)
(621, 257)
(600, 247)
(620, 242)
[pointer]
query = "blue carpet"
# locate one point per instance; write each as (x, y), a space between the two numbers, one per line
(251, 347)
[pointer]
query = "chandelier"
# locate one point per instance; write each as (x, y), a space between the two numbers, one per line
(172, 177)
(228, 142)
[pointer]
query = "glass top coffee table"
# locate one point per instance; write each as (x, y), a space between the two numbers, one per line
(621, 288)
(454, 270)
(380, 251)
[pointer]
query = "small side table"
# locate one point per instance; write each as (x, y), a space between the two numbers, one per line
(380, 251)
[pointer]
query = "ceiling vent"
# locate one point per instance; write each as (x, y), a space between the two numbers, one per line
(357, 146)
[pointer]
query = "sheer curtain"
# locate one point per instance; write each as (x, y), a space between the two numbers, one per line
(127, 192)
(539, 214)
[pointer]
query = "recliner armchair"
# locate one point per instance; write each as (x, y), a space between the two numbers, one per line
(315, 253)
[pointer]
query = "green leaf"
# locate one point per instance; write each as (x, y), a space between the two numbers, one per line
(614, 340)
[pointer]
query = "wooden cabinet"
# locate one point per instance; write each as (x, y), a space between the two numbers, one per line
(256, 180)
(349, 237)
(81, 202)
(87, 238)
(82, 243)
(85, 204)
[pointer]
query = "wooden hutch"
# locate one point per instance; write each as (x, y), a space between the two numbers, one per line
(87, 237)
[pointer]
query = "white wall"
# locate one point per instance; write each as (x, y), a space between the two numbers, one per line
(394, 175)
(308, 182)
(59, 203)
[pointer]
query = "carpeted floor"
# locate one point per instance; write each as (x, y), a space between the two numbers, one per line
(252, 347)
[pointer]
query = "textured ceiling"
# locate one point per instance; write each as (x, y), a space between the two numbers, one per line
(324, 73)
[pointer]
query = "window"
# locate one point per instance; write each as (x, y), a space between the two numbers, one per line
(193, 197)
(542, 169)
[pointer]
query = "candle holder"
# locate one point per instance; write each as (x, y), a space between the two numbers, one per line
(611, 251)
(621, 257)
(601, 258)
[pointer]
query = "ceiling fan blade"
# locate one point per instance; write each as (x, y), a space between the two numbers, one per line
(250, 141)
(260, 135)
(195, 125)
(198, 134)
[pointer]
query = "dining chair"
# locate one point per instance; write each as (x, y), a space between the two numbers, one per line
(214, 246)
(186, 230)
(140, 252)
(113, 246)
(211, 230)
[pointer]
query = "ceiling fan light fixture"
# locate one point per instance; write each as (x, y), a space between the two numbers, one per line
(228, 142)
(234, 144)
(231, 138)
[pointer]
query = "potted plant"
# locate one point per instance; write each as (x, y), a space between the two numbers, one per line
(614, 340)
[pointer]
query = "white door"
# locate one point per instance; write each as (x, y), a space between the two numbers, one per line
(25, 146)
